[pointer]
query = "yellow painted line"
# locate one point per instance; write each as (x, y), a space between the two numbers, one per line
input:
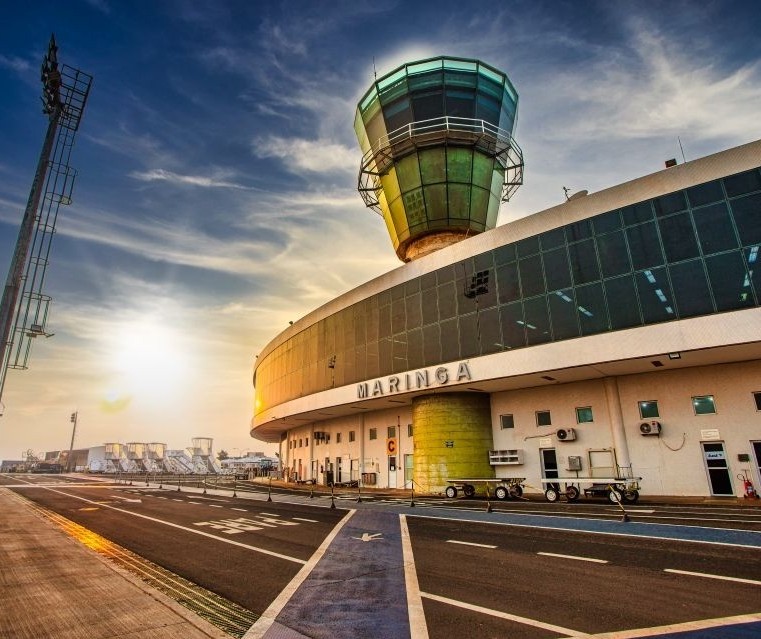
(566, 632)
(415, 613)
(680, 627)
(89, 508)
(710, 576)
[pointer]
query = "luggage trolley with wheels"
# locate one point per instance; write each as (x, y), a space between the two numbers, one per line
(501, 488)
(615, 489)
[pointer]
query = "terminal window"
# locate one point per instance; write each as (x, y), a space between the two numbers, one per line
(338, 438)
(373, 433)
(543, 418)
(409, 430)
(648, 409)
(584, 415)
(391, 432)
(352, 435)
(757, 397)
(704, 405)
(506, 421)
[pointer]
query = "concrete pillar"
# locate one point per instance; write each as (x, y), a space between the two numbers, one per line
(616, 417)
(453, 436)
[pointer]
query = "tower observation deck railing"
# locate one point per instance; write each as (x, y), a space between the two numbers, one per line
(483, 136)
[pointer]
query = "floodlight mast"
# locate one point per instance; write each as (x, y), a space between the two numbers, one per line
(65, 92)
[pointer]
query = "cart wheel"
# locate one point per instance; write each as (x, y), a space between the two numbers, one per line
(615, 496)
(500, 492)
(451, 492)
(572, 493)
(631, 496)
(551, 495)
(468, 490)
(516, 491)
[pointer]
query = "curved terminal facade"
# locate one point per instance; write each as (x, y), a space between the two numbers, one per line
(618, 329)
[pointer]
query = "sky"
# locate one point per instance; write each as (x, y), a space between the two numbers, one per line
(216, 201)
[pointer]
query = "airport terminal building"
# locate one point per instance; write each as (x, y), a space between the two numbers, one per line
(618, 330)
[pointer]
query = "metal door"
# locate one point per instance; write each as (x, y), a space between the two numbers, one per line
(717, 467)
(549, 465)
(392, 471)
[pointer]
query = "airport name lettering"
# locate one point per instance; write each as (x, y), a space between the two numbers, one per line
(411, 381)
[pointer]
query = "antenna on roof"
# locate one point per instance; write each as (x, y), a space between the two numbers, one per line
(681, 148)
(566, 191)
(375, 72)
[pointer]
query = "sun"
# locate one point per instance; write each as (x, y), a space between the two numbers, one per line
(149, 359)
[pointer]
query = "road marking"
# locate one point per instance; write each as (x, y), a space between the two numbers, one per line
(178, 500)
(216, 506)
(680, 627)
(243, 510)
(709, 576)
(186, 529)
(311, 521)
(89, 508)
(592, 559)
(469, 543)
(270, 514)
(505, 615)
(369, 537)
(263, 624)
(197, 503)
(418, 627)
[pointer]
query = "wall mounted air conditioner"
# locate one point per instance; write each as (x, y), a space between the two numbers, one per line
(566, 434)
(650, 428)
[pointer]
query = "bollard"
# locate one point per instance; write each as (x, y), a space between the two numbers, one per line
(359, 493)
(488, 500)
(179, 477)
(204, 483)
(332, 498)
(269, 490)
(311, 491)
(235, 486)
(412, 495)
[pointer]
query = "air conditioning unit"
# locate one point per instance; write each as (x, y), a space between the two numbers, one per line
(650, 428)
(566, 434)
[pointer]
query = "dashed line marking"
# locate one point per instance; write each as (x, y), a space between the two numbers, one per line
(576, 557)
(469, 543)
(740, 580)
(270, 514)
(216, 506)
(243, 510)
(197, 503)
(311, 521)
(178, 500)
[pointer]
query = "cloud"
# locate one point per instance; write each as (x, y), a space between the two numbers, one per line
(14, 63)
(161, 175)
(315, 156)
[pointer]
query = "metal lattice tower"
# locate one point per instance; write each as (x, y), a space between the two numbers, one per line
(24, 307)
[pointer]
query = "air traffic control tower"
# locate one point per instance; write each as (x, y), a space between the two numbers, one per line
(438, 160)
(438, 151)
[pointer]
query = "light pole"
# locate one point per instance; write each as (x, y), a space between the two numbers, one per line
(65, 92)
(73, 420)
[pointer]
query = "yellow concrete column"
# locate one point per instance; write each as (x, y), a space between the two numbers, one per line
(452, 438)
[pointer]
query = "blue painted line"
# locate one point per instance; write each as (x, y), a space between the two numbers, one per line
(361, 584)
(749, 538)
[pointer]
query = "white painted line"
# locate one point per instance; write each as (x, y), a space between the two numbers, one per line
(216, 506)
(591, 559)
(567, 632)
(270, 514)
(753, 582)
(197, 503)
(243, 510)
(178, 500)
(469, 543)
(680, 627)
(186, 529)
(263, 624)
(418, 627)
(311, 521)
